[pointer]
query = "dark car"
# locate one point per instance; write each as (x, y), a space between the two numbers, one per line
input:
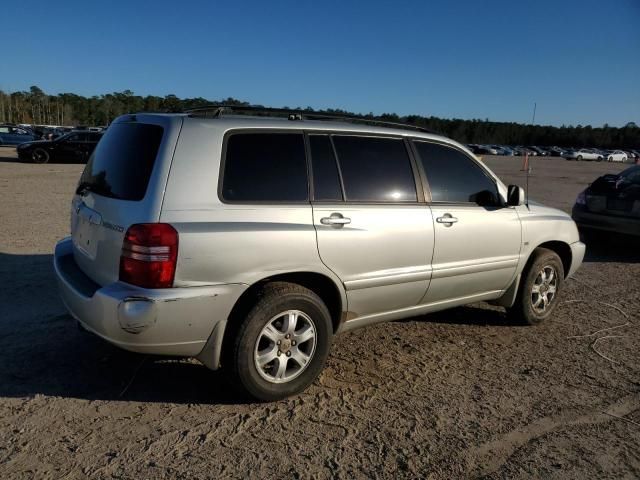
(13, 135)
(73, 147)
(611, 203)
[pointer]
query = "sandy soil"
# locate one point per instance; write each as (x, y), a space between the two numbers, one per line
(458, 394)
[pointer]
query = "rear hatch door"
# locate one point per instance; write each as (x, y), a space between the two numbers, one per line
(123, 183)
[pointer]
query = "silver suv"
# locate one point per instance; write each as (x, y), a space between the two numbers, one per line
(248, 242)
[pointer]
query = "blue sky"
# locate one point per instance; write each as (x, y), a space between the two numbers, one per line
(579, 60)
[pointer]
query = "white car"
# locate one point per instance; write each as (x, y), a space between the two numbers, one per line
(617, 156)
(584, 154)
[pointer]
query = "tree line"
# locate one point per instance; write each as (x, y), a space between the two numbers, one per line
(37, 107)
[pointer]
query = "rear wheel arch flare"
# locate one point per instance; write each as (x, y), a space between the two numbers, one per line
(320, 284)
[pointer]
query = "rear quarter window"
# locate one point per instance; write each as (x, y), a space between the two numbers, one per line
(122, 162)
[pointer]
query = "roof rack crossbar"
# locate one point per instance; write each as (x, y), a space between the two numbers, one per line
(217, 110)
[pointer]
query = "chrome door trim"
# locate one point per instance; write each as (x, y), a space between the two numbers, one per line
(387, 278)
(444, 270)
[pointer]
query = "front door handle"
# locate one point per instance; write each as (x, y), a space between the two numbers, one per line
(447, 219)
(335, 220)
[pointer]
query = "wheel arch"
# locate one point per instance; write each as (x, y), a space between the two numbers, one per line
(324, 286)
(562, 249)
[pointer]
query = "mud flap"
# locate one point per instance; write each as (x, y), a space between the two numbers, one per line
(508, 298)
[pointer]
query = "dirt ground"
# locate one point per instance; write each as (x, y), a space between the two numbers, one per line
(458, 394)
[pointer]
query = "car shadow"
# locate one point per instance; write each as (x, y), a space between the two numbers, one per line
(610, 247)
(8, 155)
(43, 352)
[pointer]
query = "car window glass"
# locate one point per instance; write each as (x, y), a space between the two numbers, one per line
(265, 167)
(454, 177)
(4, 129)
(121, 165)
(326, 179)
(375, 169)
(632, 175)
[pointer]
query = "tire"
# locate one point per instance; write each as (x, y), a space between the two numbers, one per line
(40, 155)
(579, 158)
(530, 307)
(264, 330)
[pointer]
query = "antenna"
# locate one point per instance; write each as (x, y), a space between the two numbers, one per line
(526, 161)
(526, 190)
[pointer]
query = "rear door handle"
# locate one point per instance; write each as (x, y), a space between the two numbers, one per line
(447, 219)
(335, 220)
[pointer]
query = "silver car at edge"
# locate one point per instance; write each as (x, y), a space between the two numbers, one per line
(249, 242)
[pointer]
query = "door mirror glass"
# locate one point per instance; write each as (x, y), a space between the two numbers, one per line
(515, 196)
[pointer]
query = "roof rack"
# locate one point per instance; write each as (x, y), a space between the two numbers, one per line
(216, 111)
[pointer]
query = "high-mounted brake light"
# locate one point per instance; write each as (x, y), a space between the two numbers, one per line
(149, 255)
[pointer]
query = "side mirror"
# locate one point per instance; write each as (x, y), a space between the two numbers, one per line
(515, 196)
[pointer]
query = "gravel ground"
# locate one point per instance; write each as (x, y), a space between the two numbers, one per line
(458, 394)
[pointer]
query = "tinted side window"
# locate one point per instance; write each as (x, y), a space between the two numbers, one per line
(265, 167)
(326, 180)
(375, 169)
(454, 177)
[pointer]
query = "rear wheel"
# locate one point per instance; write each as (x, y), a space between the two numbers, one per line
(539, 288)
(579, 157)
(282, 345)
(40, 155)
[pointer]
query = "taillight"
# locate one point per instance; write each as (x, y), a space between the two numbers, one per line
(149, 255)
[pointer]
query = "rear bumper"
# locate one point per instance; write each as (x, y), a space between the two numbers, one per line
(172, 321)
(609, 223)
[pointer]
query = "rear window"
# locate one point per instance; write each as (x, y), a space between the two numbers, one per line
(265, 167)
(122, 163)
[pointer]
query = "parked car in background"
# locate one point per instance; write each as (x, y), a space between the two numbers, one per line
(482, 150)
(584, 154)
(508, 151)
(13, 135)
(611, 203)
(631, 155)
(539, 151)
(74, 147)
(617, 156)
(527, 151)
(556, 151)
(200, 237)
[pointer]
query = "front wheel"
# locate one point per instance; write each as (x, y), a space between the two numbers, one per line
(283, 343)
(539, 288)
(40, 155)
(579, 158)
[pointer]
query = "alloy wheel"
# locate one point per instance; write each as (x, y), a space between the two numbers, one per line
(285, 346)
